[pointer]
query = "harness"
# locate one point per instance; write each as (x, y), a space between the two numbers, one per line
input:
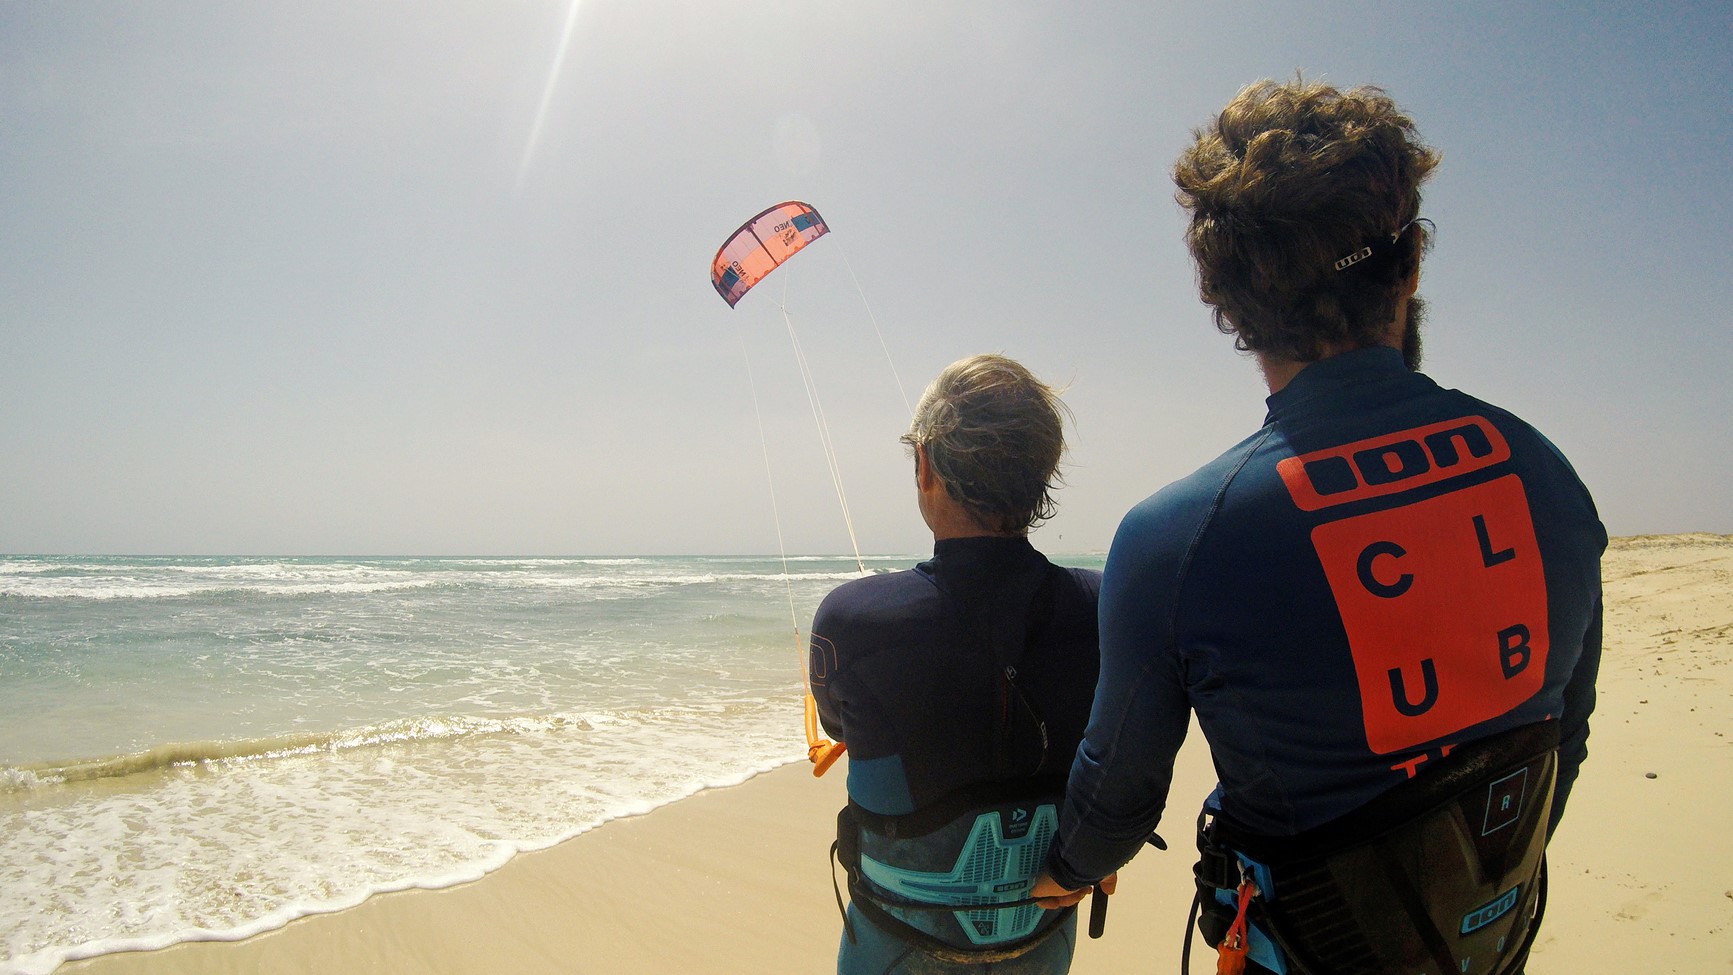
(954, 879)
(1443, 875)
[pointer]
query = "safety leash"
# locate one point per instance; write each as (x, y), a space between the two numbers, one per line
(1231, 953)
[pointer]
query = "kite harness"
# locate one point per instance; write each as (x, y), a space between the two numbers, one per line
(1442, 875)
(954, 878)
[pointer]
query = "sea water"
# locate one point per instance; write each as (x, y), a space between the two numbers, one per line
(196, 748)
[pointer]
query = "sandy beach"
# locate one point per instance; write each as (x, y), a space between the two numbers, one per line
(737, 880)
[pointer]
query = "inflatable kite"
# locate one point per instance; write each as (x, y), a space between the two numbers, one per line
(761, 245)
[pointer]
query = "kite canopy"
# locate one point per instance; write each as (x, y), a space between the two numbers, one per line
(760, 245)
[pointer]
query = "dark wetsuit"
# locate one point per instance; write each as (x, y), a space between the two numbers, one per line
(909, 668)
(1385, 570)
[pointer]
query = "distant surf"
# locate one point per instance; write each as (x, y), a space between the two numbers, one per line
(197, 749)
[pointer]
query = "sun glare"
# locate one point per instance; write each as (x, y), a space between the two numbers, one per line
(535, 135)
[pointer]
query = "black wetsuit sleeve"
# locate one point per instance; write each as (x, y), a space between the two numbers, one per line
(1120, 777)
(840, 658)
(1579, 703)
(822, 675)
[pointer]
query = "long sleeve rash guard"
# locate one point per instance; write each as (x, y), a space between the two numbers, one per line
(1384, 570)
(909, 668)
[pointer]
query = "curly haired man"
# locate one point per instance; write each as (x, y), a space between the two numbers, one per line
(1383, 607)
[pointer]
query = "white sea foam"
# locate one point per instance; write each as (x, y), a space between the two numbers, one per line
(111, 589)
(689, 579)
(225, 850)
(20, 779)
(180, 581)
(398, 723)
(46, 960)
(160, 580)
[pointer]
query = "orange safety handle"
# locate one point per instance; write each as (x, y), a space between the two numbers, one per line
(1231, 953)
(820, 751)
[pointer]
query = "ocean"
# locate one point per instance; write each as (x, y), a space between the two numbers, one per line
(208, 748)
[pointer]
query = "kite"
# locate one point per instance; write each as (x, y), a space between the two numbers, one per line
(761, 245)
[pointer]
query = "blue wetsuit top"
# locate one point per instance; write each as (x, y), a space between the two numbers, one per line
(1385, 570)
(908, 669)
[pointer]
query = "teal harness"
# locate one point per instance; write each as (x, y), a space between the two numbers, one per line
(955, 880)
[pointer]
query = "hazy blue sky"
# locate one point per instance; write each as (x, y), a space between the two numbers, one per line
(362, 277)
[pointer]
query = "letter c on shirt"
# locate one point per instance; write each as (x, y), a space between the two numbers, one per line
(1364, 568)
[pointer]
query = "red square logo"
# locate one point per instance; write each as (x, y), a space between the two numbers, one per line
(1444, 603)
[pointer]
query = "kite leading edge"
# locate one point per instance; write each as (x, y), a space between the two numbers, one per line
(760, 245)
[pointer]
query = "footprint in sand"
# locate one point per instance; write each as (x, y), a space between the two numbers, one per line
(1635, 908)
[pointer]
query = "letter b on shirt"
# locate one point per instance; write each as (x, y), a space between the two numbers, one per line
(1444, 604)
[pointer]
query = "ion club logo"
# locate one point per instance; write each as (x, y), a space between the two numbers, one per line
(1443, 599)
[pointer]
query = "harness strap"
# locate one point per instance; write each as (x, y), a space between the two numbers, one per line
(1190, 926)
(1519, 957)
(1414, 907)
(847, 925)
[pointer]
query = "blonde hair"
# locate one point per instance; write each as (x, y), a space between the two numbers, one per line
(993, 434)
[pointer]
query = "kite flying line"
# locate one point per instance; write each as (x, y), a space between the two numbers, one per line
(875, 322)
(760, 246)
(820, 751)
(823, 429)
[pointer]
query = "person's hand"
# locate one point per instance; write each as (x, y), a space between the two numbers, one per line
(1050, 895)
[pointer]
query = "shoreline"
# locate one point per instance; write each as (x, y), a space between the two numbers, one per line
(545, 910)
(734, 879)
(503, 855)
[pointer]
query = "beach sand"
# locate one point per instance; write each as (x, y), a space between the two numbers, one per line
(737, 880)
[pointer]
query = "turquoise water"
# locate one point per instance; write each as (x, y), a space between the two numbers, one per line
(208, 748)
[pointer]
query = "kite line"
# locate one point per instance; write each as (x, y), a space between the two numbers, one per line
(760, 246)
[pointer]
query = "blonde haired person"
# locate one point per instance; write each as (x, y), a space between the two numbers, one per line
(961, 687)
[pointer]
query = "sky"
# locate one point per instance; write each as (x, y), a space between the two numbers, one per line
(431, 278)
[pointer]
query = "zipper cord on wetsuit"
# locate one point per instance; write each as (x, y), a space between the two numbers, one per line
(1011, 688)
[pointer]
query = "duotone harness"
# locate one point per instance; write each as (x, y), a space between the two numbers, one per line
(954, 879)
(1442, 875)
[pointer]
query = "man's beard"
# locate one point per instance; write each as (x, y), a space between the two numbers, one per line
(1411, 332)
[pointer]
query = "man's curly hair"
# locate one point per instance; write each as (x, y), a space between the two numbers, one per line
(1288, 180)
(994, 435)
